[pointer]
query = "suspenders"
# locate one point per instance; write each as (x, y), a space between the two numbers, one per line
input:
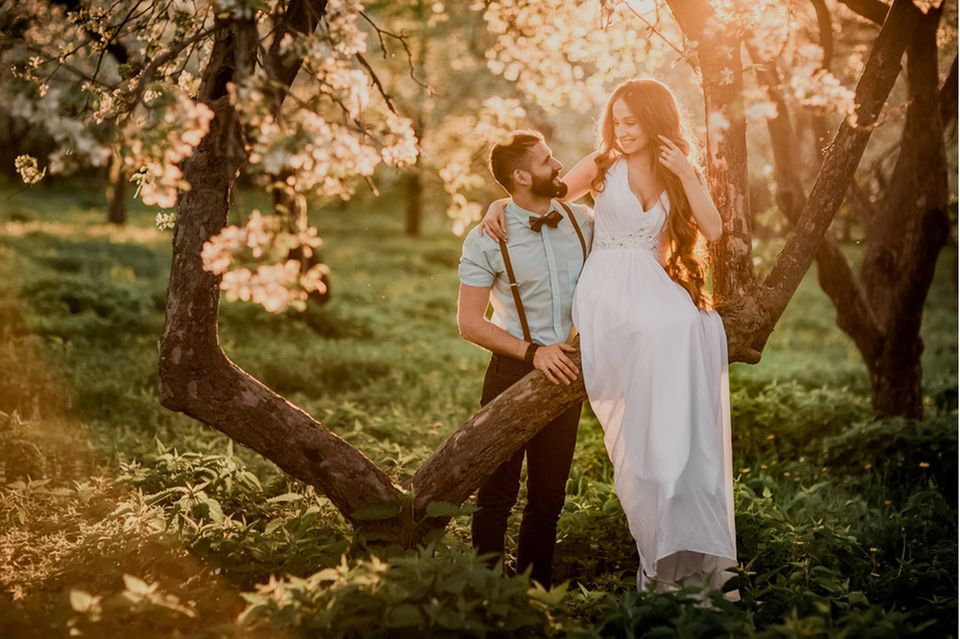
(515, 289)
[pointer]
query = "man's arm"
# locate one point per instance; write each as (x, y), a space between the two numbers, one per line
(475, 328)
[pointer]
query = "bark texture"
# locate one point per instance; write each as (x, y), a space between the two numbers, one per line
(911, 228)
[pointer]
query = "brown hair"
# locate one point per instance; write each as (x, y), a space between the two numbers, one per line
(508, 154)
(654, 106)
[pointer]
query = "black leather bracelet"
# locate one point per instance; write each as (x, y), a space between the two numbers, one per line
(531, 351)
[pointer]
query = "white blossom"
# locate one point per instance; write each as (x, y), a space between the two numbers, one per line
(28, 169)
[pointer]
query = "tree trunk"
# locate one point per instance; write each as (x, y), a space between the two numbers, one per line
(414, 200)
(912, 227)
(117, 191)
(733, 275)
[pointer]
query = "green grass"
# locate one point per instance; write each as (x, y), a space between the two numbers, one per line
(846, 524)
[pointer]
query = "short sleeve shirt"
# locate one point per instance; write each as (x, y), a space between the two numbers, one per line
(547, 266)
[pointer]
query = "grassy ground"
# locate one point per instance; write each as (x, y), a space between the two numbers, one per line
(119, 516)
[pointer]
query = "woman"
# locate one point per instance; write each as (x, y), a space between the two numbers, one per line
(654, 355)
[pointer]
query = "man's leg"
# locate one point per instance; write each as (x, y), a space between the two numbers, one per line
(498, 493)
(549, 455)
(495, 500)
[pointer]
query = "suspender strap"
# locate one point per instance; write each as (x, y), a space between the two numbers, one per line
(515, 289)
(576, 227)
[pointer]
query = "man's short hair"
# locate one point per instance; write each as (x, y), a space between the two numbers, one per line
(509, 154)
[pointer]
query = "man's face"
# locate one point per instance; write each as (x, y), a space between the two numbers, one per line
(543, 172)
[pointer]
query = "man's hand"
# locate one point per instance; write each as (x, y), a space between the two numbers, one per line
(553, 362)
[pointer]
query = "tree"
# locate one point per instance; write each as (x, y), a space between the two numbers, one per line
(297, 108)
(904, 233)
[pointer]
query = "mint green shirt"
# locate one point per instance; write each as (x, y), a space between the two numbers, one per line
(547, 266)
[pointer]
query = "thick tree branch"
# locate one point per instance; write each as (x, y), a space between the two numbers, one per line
(854, 314)
(913, 227)
(300, 18)
(490, 436)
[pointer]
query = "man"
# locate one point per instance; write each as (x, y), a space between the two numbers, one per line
(529, 330)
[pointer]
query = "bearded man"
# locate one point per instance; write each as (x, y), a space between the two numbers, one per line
(529, 280)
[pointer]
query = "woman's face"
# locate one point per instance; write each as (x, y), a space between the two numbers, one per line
(626, 129)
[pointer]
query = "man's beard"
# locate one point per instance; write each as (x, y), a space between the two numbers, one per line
(549, 187)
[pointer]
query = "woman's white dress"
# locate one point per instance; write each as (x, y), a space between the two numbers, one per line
(655, 369)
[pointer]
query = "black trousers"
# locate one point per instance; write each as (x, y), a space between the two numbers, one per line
(549, 455)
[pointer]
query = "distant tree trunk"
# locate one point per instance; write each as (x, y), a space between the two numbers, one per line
(911, 228)
(294, 211)
(414, 184)
(414, 180)
(117, 191)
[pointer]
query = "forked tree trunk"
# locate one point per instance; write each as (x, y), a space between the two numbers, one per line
(198, 379)
(833, 180)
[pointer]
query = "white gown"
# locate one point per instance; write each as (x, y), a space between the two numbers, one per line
(655, 369)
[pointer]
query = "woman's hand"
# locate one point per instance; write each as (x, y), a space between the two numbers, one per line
(673, 158)
(704, 211)
(494, 222)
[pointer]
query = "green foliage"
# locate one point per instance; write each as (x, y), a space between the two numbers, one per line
(445, 594)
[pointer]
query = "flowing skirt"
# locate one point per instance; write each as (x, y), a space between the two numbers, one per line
(655, 370)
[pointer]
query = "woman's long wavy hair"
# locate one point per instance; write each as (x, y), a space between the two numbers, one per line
(654, 106)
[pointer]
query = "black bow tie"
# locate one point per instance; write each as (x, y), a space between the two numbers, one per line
(551, 219)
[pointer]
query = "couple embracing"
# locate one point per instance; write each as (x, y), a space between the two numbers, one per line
(654, 355)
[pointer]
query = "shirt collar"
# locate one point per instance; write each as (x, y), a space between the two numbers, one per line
(523, 215)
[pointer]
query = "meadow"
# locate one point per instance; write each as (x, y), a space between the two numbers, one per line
(120, 518)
